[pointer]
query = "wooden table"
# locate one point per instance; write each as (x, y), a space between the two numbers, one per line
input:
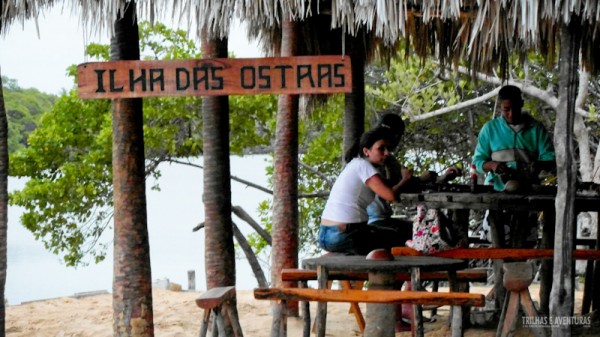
(540, 198)
(381, 318)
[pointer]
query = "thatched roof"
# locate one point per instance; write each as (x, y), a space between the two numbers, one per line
(482, 33)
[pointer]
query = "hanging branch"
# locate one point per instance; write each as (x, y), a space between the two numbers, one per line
(248, 252)
(247, 249)
(240, 180)
(316, 172)
(242, 214)
(456, 107)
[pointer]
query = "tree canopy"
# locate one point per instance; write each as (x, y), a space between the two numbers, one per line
(24, 107)
(68, 163)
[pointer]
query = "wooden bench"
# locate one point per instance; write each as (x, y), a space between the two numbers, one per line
(514, 254)
(302, 276)
(212, 301)
(363, 296)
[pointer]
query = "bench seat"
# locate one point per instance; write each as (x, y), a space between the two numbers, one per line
(467, 275)
(370, 296)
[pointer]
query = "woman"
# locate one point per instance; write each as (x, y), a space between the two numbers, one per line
(344, 220)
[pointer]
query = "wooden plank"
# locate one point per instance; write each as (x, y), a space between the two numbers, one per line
(471, 275)
(500, 253)
(370, 296)
(215, 297)
(212, 77)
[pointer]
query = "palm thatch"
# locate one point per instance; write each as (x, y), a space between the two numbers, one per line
(482, 33)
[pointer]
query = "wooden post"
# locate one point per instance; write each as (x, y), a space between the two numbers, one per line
(561, 296)
(191, 280)
(321, 306)
(380, 316)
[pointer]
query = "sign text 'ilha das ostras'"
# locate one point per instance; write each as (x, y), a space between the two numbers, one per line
(211, 77)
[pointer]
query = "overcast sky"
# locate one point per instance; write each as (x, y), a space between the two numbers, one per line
(41, 62)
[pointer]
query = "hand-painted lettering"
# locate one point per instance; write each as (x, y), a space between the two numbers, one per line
(182, 79)
(304, 71)
(247, 79)
(217, 79)
(207, 77)
(264, 74)
(324, 73)
(157, 77)
(337, 70)
(283, 69)
(100, 75)
(134, 80)
(111, 76)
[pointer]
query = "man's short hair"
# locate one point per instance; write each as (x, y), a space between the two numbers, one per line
(510, 92)
(393, 122)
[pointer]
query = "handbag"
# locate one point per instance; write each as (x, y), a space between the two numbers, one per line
(432, 231)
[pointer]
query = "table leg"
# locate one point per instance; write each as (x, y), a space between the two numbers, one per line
(547, 265)
(457, 310)
(321, 316)
(381, 318)
(415, 278)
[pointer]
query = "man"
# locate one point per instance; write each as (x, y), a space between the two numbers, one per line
(514, 146)
(513, 150)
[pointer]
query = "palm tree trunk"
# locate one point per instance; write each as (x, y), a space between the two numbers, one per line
(132, 280)
(285, 191)
(561, 296)
(219, 253)
(219, 250)
(3, 206)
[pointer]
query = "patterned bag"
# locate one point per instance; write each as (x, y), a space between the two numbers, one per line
(432, 231)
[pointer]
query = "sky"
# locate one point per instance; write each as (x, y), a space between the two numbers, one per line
(41, 62)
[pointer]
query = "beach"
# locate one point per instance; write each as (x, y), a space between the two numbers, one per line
(176, 315)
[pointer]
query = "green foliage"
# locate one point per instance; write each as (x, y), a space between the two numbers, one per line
(323, 133)
(415, 88)
(24, 108)
(68, 163)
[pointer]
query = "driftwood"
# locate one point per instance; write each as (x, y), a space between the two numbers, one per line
(245, 246)
(256, 269)
(242, 214)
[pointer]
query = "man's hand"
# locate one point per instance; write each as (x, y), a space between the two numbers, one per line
(496, 167)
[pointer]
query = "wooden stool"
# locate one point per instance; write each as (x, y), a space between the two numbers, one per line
(517, 278)
(212, 302)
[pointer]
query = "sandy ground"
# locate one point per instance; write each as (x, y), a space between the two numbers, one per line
(176, 314)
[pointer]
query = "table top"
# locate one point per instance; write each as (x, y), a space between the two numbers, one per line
(495, 200)
(359, 263)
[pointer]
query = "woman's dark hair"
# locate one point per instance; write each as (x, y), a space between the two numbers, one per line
(367, 140)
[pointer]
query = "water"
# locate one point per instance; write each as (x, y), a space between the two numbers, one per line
(34, 273)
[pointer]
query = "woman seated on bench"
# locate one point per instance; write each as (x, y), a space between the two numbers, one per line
(344, 226)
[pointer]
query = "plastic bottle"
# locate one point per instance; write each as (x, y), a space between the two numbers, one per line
(473, 181)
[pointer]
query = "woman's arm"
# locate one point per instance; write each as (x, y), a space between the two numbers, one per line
(377, 185)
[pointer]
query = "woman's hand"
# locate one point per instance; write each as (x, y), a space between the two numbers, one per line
(406, 174)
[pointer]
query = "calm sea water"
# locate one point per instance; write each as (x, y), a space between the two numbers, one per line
(34, 273)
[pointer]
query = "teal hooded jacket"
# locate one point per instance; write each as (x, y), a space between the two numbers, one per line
(497, 141)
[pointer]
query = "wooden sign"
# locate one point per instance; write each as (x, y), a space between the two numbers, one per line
(210, 77)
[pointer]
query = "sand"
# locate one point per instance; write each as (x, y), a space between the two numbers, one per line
(176, 314)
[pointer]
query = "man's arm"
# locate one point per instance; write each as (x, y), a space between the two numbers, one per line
(483, 151)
